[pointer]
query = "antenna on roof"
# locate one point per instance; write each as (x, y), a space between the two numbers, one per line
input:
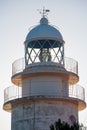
(43, 12)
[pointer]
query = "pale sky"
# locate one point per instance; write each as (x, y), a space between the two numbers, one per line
(17, 16)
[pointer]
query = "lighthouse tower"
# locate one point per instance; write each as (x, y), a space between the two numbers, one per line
(45, 82)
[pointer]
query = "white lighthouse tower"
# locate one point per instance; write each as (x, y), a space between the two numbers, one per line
(44, 81)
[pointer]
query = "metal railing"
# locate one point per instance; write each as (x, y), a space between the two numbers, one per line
(82, 128)
(14, 92)
(70, 65)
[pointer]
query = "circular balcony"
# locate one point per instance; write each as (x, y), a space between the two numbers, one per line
(68, 70)
(75, 94)
(19, 65)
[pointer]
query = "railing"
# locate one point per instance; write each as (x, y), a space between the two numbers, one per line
(15, 92)
(70, 65)
(82, 128)
(18, 66)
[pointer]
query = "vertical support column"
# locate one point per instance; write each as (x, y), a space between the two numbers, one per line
(26, 55)
(63, 56)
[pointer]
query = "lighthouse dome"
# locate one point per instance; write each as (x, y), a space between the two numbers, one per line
(44, 31)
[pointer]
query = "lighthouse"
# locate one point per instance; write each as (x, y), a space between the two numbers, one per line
(44, 82)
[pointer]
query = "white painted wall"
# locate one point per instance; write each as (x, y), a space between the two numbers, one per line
(44, 86)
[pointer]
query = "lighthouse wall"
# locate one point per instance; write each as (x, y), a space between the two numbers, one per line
(45, 86)
(39, 115)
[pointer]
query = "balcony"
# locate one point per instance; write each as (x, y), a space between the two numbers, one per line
(75, 92)
(69, 64)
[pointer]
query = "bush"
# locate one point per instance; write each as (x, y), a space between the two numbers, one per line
(61, 125)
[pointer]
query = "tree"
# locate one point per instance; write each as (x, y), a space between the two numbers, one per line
(61, 125)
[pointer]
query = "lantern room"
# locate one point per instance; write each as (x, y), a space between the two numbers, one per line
(44, 43)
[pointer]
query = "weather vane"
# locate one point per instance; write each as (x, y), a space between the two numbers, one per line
(43, 12)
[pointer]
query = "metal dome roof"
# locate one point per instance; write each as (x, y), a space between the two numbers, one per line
(44, 31)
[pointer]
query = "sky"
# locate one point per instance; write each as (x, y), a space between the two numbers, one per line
(18, 16)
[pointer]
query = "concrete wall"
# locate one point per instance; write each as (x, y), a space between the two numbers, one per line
(44, 86)
(40, 115)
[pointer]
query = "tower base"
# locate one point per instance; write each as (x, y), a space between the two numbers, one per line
(39, 115)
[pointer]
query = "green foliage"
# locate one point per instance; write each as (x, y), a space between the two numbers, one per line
(59, 125)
